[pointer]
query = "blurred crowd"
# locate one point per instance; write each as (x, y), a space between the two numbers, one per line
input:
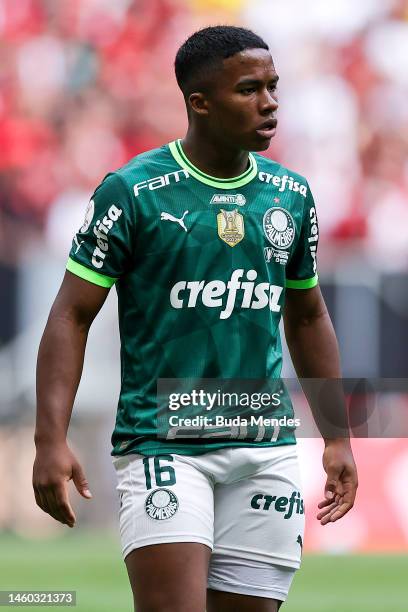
(88, 84)
(344, 116)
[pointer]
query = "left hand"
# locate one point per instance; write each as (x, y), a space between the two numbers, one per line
(341, 484)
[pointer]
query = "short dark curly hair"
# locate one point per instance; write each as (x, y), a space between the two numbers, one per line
(203, 52)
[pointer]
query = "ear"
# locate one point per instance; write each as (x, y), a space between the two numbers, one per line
(198, 103)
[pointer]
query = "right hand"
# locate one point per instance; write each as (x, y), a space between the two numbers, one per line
(54, 465)
(342, 482)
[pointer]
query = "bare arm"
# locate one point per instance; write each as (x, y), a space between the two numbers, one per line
(59, 368)
(315, 354)
(307, 323)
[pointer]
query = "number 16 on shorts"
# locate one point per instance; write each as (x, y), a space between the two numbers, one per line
(157, 473)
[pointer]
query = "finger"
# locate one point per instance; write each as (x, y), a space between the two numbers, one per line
(52, 504)
(80, 481)
(49, 503)
(54, 509)
(350, 491)
(327, 519)
(63, 506)
(341, 511)
(327, 510)
(39, 499)
(331, 487)
(325, 502)
(347, 501)
(333, 471)
(42, 499)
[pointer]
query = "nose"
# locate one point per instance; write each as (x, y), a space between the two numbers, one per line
(268, 102)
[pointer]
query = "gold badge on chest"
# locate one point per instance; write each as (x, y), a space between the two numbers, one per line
(230, 224)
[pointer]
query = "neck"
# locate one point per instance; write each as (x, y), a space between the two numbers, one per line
(213, 156)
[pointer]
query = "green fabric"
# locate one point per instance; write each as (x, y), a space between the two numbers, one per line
(307, 283)
(201, 274)
(89, 275)
(180, 157)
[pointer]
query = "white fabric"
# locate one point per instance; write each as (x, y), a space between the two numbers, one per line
(254, 578)
(236, 501)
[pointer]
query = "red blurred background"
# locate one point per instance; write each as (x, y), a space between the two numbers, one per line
(87, 84)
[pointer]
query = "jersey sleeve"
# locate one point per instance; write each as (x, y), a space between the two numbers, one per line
(301, 271)
(102, 248)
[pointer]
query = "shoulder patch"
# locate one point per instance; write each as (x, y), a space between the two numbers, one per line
(89, 213)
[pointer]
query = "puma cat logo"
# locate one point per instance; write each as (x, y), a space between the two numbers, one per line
(168, 217)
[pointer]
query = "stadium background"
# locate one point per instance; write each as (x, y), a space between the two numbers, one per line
(87, 84)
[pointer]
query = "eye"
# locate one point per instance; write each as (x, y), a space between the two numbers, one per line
(272, 87)
(248, 91)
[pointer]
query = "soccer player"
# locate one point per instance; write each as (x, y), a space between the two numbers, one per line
(208, 245)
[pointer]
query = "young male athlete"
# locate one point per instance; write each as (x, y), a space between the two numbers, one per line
(208, 245)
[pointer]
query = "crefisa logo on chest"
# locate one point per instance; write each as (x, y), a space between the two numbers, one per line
(279, 229)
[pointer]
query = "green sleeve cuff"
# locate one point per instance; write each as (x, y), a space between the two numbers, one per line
(306, 283)
(89, 275)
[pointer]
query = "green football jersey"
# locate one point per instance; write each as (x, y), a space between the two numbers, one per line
(200, 266)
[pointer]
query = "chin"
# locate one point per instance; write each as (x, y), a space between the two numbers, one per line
(261, 145)
(264, 146)
(253, 144)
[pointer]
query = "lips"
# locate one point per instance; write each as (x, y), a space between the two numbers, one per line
(267, 129)
(268, 125)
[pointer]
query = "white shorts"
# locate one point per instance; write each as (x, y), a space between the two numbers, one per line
(243, 503)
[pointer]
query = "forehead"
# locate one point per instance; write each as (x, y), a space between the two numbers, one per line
(249, 64)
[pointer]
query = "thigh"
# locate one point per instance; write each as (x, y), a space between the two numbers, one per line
(166, 522)
(163, 499)
(261, 517)
(169, 577)
(259, 525)
(244, 584)
(218, 601)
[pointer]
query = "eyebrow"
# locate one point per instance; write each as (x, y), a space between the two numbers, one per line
(274, 79)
